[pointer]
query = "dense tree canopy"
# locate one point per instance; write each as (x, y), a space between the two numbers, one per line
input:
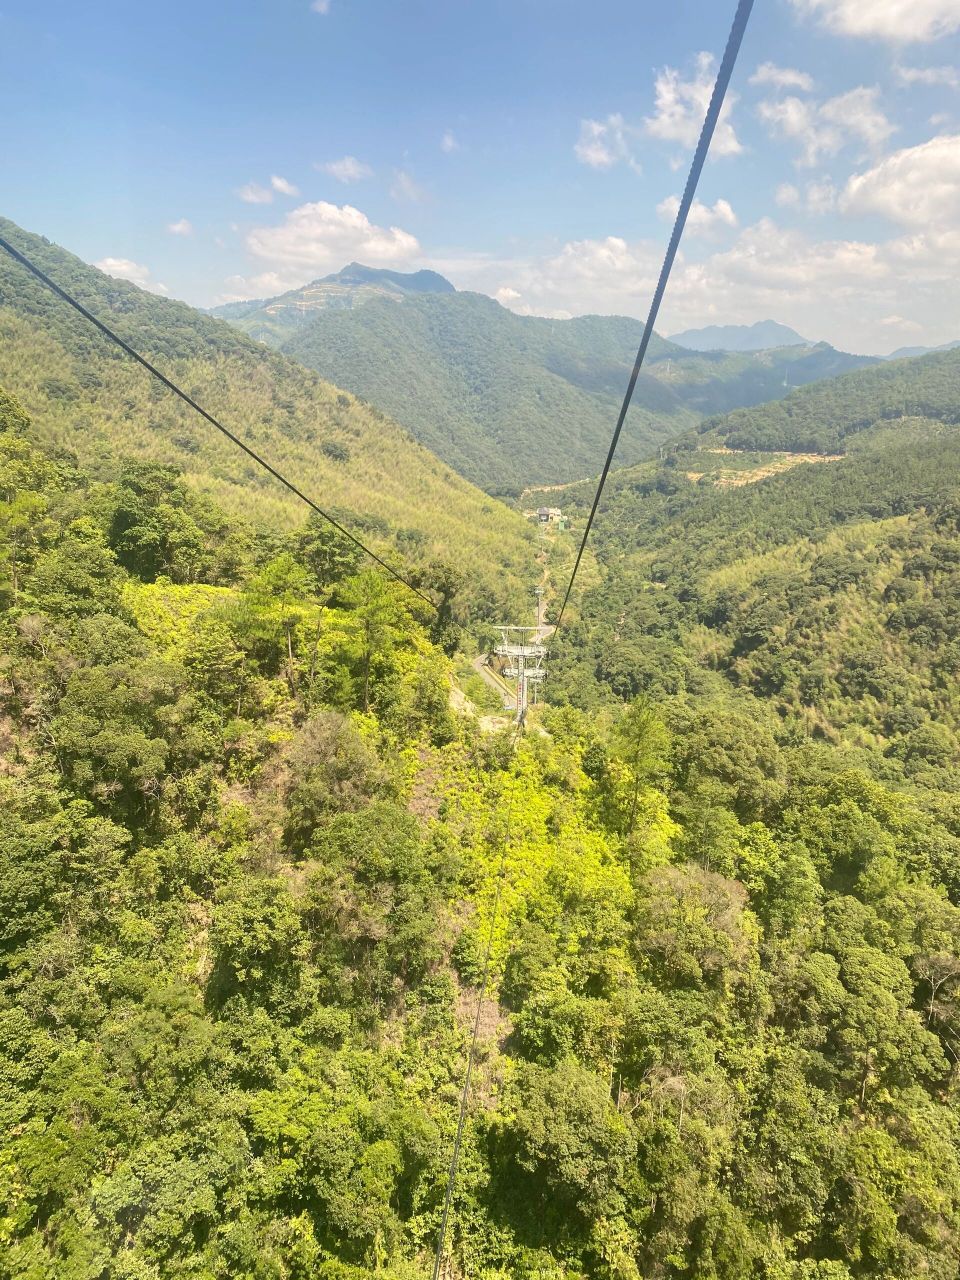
(248, 858)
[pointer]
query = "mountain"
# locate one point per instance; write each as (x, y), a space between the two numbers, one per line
(803, 554)
(822, 417)
(510, 400)
(271, 319)
(85, 397)
(355, 273)
(760, 336)
(903, 352)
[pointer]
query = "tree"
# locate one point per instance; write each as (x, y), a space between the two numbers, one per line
(329, 556)
(78, 576)
(567, 1154)
(158, 527)
(333, 769)
(274, 606)
(377, 613)
(14, 419)
(640, 742)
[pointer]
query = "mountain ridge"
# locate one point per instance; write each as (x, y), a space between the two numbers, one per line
(762, 335)
(353, 285)
(904, 353)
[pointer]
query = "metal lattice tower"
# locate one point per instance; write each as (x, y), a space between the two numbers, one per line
(522, 648)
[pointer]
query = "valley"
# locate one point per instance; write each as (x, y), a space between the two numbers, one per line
(480, 641)
(512, 401)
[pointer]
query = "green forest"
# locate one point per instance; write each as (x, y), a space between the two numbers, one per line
(256, 840)
(825, 417)
(826, 592)
(249, 864)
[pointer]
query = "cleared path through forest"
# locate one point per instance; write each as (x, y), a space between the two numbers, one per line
(495, 681)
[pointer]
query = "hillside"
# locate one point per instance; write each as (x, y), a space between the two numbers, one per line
(86, 397)
(513, 400)
(823, 418)
(760, 336)
(505, 399)
(820, 584)
(248, 865)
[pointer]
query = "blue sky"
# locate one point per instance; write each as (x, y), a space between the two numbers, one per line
(526, 148)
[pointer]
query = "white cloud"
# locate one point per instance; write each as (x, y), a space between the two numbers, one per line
(682, 104)
(916, 187)
(821, 196)
(777, 262)
(768, 73)
(320, 6)
(702, 218)
(548, 313)
(794, 119)
(822, 129)
(135, 272)
(835, 289)
(180, 228)
(596, 276)
(605, 143)
(347, 169)
(897, 20)
(857, 114)
(323, 236)
(898, 322)
(680, 107)
(449, 143)
(253, 193)
(773, 271)
(405, 188)
(948, 76)
(266, 284)
(818, 197)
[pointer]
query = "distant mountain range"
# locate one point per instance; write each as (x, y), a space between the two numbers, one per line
(903, 353)
(511, 401)
(740, 337)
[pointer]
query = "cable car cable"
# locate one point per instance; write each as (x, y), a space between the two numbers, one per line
(475, 1036)
(700, 155)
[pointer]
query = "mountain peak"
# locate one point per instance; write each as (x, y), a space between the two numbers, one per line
(761, 336)
(410, 281)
